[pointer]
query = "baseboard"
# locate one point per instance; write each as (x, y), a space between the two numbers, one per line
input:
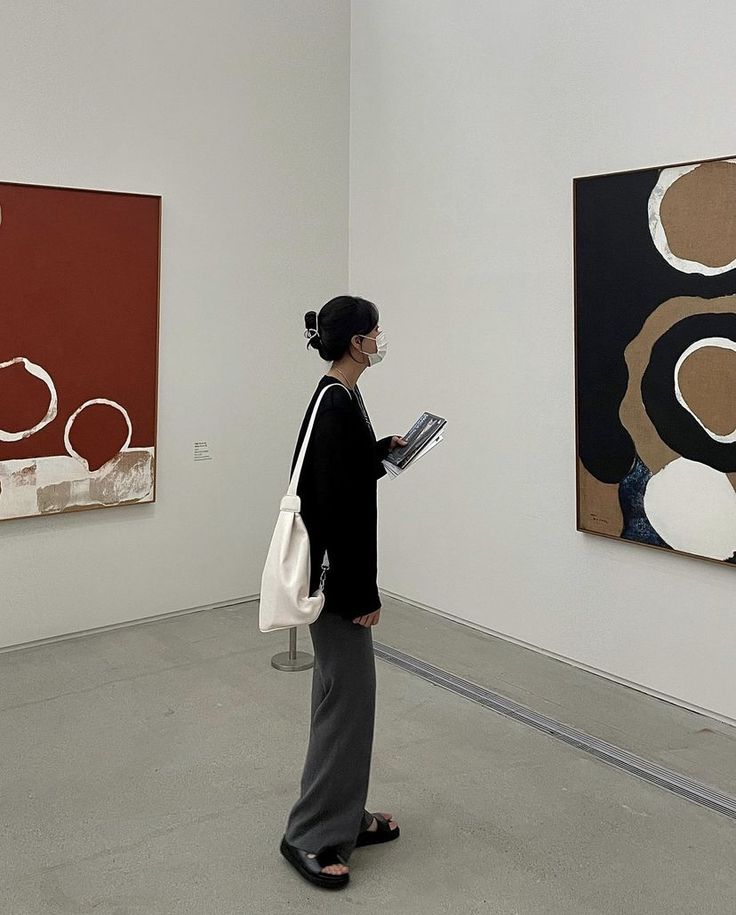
(606, 675)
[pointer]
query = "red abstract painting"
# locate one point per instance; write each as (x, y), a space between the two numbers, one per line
(79, 305)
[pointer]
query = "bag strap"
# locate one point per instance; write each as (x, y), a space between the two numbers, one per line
(294, 482)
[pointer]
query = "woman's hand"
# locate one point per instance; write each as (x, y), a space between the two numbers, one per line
(397, 442)
(370, 619)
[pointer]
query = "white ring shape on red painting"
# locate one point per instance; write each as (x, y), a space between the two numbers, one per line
(41, 373)
(75, 414)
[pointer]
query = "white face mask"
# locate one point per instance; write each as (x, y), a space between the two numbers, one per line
(381, 343)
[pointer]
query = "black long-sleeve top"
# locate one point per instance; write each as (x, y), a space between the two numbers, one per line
(339, 504)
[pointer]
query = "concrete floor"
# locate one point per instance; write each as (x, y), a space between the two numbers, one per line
(149, 771)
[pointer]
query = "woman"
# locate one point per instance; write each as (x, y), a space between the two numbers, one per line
(338, 487)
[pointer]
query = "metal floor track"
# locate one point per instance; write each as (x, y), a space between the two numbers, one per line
(615, 756)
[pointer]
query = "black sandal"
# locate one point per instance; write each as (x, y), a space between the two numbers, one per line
(311, 868)
(384, 833)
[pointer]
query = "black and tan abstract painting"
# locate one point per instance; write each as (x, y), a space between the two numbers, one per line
(655, 297)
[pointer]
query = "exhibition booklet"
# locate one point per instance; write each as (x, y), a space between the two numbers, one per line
(421, 438)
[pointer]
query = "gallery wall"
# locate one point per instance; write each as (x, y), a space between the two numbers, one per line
(236, 113)
(468, 123)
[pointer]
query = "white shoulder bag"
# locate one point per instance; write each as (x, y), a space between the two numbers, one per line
(285, 600)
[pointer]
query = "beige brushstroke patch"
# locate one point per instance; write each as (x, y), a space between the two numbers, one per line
(600, 509)
(129, 477)
(59, 484)
(26, 476)
(17, 488)
(54, 498)
(126, 478)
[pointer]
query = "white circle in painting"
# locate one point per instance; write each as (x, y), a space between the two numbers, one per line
(667, 178)
(720, 343)
(693, 509)
(41, 373)
(75, 414)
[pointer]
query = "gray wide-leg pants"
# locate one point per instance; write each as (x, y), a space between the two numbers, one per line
(334, 786)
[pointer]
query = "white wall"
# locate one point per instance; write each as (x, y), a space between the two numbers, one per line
(236, 112)
(468, 122)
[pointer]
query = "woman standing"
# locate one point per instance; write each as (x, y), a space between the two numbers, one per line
(338, 491)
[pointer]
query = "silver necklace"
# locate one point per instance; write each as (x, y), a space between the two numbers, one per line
(359, 400)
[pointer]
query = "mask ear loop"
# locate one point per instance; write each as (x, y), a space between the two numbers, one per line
(368, 337)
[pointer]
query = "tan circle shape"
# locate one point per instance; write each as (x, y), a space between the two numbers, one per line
(698, 214)
(708, 384)
(649, 446)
